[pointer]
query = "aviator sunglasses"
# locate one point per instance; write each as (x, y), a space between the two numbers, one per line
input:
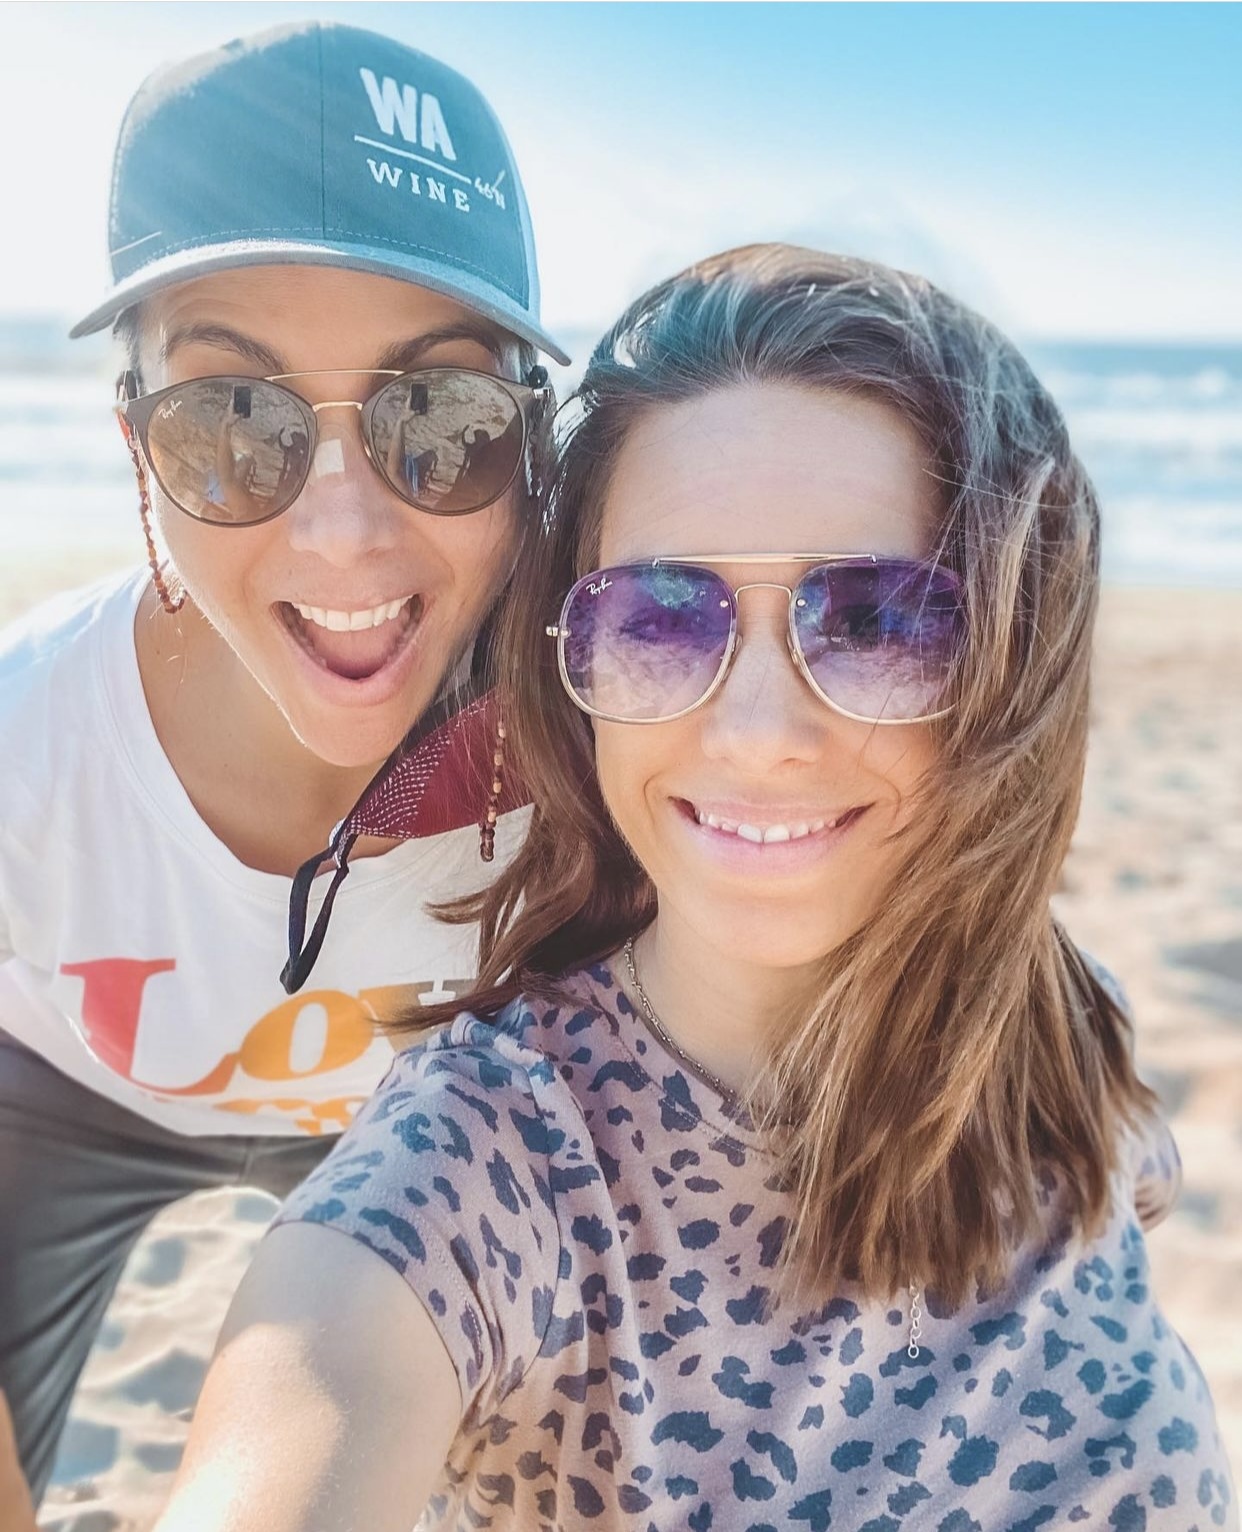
(875, 638)
(237, 451)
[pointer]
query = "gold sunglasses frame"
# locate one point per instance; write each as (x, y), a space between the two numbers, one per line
(560, 632)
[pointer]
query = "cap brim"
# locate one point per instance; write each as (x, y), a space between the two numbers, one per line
(185, 265)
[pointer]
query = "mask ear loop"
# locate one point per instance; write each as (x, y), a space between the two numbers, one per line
(171, 604)
(536, 378)
(491, 811)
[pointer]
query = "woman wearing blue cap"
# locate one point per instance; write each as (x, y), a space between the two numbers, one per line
(325, 279)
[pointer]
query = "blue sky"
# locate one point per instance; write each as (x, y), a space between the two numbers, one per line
(1072, 169)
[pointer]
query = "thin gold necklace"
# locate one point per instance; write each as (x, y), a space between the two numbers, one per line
(731, 1096)
(658, 1027)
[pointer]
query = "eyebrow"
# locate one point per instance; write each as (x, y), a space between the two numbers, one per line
(226, 339)
(402, 356)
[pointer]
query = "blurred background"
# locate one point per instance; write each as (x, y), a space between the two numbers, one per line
(1070, 170)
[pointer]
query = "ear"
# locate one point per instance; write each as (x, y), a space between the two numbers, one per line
(135, 452)
(539, 446)
(127, 389)
(127, 386)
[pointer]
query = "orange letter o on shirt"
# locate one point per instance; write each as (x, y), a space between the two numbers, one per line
(267, 1052)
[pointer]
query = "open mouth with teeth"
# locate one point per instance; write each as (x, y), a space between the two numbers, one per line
(354, 644)
(776, 833)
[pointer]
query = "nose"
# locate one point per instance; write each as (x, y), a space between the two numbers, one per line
(345, 512)
(764, 715)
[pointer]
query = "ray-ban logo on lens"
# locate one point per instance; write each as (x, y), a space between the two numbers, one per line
(598, 590)
(167, 411)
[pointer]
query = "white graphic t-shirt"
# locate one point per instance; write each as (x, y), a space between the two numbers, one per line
(139, 956)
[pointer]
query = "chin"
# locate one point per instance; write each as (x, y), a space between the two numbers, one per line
(345, 729)
(766, 938)
(351, 742)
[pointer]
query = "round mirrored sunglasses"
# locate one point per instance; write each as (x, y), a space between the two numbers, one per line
(237, 451)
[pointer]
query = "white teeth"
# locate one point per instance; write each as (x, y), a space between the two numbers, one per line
(351, 622)
(772, 834)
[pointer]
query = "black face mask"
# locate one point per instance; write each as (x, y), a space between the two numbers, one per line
(439, 778)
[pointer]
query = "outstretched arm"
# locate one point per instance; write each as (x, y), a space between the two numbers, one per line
(330, 1405)
(16, 1511)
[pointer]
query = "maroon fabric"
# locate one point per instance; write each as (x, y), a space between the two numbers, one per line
(440, 779)
(440, 783)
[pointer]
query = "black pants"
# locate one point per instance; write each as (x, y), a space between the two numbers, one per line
(80, 1179)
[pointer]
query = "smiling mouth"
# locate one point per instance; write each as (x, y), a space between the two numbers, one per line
(354, 644)
(774, 832)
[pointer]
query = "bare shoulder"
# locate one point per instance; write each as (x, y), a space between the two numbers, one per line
(331, 1402)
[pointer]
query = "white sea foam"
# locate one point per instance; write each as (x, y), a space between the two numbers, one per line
(1141, 390)
(1205, 430)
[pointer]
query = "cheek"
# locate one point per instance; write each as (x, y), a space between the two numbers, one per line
(628, 757)
(902, 758)
(476, 552)
(618, 765)
(212, 562)
(610, 766)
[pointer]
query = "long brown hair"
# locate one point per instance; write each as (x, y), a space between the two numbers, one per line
(958, 1047)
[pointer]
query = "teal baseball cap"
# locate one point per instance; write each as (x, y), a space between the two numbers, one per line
(326, 145)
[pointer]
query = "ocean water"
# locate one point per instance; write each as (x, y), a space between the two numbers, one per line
(1159, 428)
(1160, 431)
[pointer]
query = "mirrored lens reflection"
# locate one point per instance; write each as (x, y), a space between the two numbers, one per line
(228, 449)
(448, 441)
(881, 639)
(646, 643)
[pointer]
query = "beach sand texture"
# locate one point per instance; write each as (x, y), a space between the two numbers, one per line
(1153, 888)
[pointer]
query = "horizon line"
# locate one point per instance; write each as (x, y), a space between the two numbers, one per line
(68, 317)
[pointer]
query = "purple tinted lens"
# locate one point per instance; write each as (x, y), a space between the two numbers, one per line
(642, 642)
(880, 638)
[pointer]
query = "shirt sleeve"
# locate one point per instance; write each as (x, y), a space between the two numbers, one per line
(15, 863)
(1153, 1162)
(1157, 1169)
(444, 1174)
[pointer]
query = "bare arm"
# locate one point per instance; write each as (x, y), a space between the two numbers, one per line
(330, 1405)
(16, 1511)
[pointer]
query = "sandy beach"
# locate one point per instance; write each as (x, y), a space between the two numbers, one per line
(1153, 888)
